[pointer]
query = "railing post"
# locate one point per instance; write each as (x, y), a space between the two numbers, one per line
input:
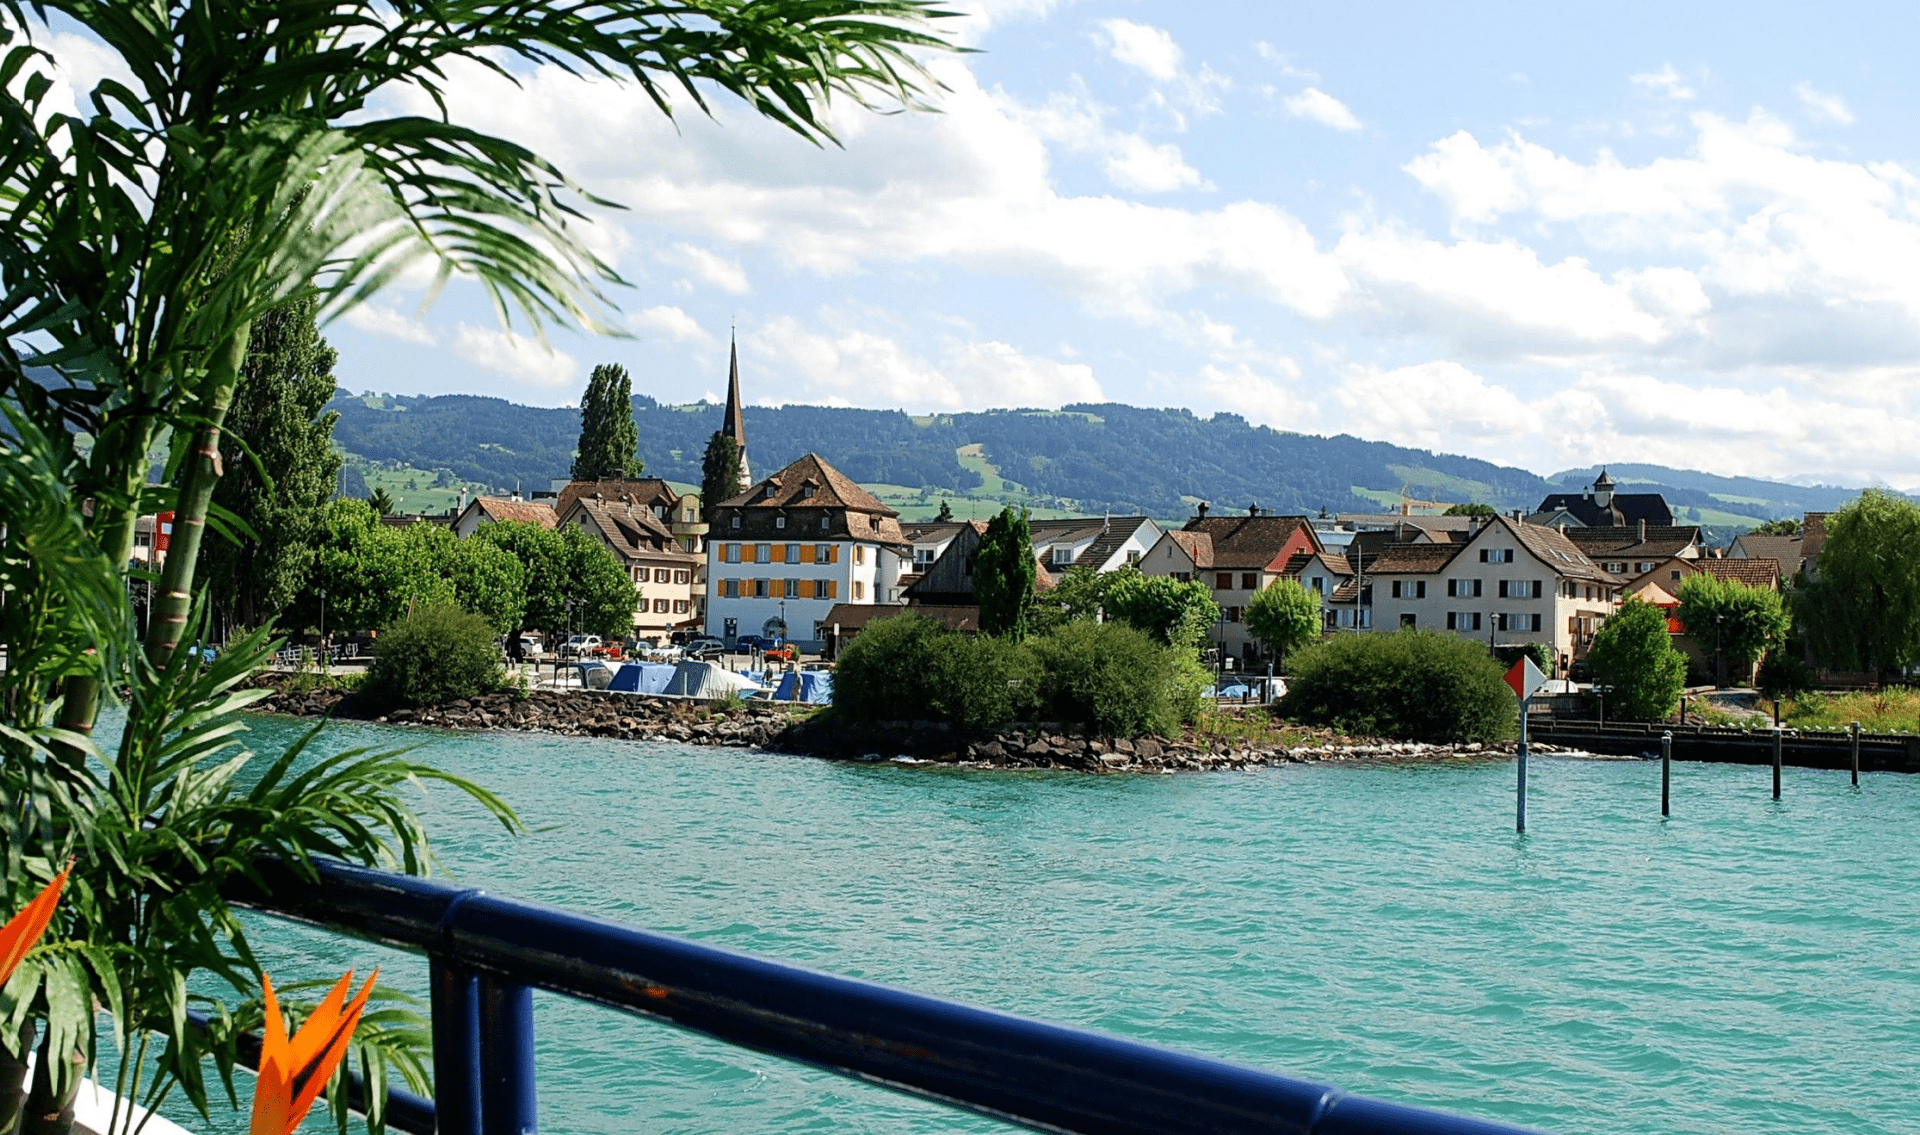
(456, 1049)
(508, 1099)
(1666, 772)
(1853, 732)
(1776, 762)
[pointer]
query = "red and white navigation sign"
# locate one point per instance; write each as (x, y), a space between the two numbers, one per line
(1525, 678)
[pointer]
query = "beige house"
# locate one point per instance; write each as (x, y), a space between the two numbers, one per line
(653, 557)
(1511, 582)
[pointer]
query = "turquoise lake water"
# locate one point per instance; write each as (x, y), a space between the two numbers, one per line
(1746, 966)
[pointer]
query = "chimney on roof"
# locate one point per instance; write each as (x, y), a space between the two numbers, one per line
(1643, 530)
(1202, 508)
(1253, 509)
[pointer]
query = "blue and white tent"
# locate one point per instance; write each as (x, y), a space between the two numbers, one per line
(642, 678)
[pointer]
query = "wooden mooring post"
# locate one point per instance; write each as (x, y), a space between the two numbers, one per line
(1666, 772)
(1853, 737)
(1776, 762)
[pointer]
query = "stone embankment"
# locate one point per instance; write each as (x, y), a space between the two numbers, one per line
(790, 729)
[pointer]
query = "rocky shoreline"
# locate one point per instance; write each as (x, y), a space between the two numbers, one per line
(795, 729)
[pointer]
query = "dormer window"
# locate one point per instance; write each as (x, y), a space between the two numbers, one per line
(779, 522)
(806, 491)
(736, 522)
(823, 524)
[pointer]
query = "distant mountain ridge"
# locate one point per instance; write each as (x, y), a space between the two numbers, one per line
(1089, 458)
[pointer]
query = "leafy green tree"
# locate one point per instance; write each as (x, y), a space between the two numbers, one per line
(1634, 659)
(1738, 621)
(1412, 685)
(1004, 573)
(608, 436)
(561, 565)
(281, 469)
(370, 573)
(1080, 594)
(1471, 510)
(1784, 526)
(1174, 612)
(434, 654)
(946, 511)
(1117, 678)
(1285, 616)
(1862, 611)
(719, 474)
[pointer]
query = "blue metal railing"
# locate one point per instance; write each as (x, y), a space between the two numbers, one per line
(488, 953)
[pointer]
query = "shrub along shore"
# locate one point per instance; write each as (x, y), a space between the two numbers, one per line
(1227, 742)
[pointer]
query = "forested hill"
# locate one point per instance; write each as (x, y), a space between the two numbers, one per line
(1087, 458)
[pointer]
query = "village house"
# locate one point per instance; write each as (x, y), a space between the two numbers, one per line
(1599, 506)
(1511, 582)
(1632, 550)
(652, 556)
(783, 553)
(1236, 557)
(1797, 555)
(481, 511)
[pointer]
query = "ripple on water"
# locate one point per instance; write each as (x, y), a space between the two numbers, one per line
(1741, 967)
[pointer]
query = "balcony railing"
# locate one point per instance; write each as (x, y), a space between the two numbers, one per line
(488, 953)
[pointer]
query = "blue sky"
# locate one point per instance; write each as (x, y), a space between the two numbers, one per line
(1542, 234)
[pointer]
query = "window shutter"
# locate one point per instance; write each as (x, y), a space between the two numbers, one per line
(1483, 555)
(806, 553)
(1450, 621)
(1396, 589)
(1536, 620)
(1536, 593)
(1503, 588)
(1419, 589)
(1476, 588)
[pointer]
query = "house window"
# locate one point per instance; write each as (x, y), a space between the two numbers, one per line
(1183, 576)
(1133, 557)
(1643, 567)
(759, 589)
(1407, 621)
(762, 553)
(922, 557)
(1249, 581)
(1233, 614)
(823, 524)
(859, 591)
(826, 589)
(736, 522)
(793, 553)
(659, 606)
(730, 589)
(1674, 574)
(662, 575)
(1320, 584)
(1496, 555)
(806, 491)
(779, 522)
(1062, 555)
(793, 589)
(682, 577)
(1223, 581)
(680, 606)
(859, 556)
(823, 553)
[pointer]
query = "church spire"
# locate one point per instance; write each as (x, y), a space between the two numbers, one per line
(734, 423)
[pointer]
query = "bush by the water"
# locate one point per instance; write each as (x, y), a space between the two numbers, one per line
(1107, 676)
(1117, 678)
(1411, 685)
(436, 654)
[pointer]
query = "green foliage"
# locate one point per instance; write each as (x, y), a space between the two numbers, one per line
(608, 437)
(1634, 660)
(1863, 612)
(381, 503)
(1175, 613)
(1507, 654)
(1117, 679)
(1004, 573)
(564, 564)
(1471, 510)
(370, 572)
(1742, 622)
(1413, 685)
(1285, 616)
(1784, 526)
(1081, 593)
(1107, 676)
(487, 580)
(719, 474)
(281, 469)
(945, 515)
(436, 654)
(1785, 675)
(1895, 709)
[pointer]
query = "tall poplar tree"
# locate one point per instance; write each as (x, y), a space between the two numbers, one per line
(1004, 574)
(719, 473)
(281, 468)
(608, 437)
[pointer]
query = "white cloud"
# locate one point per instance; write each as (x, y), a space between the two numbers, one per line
(839, 360)
(515, 356)
(1318, 106)
(1141, 166)
(1284, 61)
(379, 319)
(1666, 81)
(709, 268)
(670, 324)
(1436, 405)
(1146, 48)
(1833, 108)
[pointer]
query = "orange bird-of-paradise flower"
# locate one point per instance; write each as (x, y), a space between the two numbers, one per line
(24, 929)
(293, 1072)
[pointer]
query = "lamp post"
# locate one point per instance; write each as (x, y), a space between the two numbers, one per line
(1719, 651)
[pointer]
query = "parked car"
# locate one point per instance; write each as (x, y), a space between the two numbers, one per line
(531, 649)
(707, 648)
(755, 642)
(580, 646)
(702, 641)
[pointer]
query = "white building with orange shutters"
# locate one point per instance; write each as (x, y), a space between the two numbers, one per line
(781, 554)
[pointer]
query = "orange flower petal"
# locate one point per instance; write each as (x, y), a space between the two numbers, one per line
(23, 931)
(294, 1072)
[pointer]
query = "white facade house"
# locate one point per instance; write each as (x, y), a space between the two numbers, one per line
(783, 553)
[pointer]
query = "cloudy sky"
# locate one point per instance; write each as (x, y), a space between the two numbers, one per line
(1542, 234)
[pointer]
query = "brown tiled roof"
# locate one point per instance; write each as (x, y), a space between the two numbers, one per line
(1753, 573)
(635, 534)
(1347, 592)
(1336, 563)
(1197, 545)
(931, 529)
(1414, 559)
(1249, 541)
(1626, 540)
(1557, 550)
(643, 491)
(501, 509)
(831, 489)
(1787, 551)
